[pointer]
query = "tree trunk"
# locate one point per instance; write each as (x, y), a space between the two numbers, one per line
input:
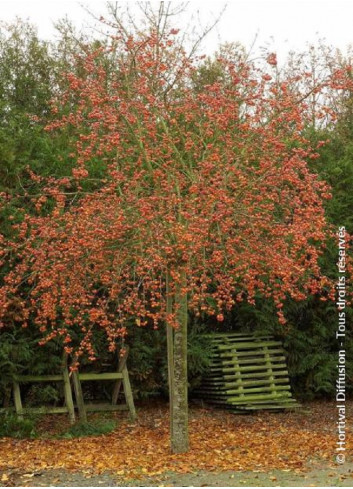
(170, 354)
(179, 379)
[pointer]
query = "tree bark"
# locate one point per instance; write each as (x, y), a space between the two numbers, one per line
(170, 354)
(179, 396)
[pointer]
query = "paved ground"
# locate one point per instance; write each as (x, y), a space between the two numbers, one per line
(316, 476)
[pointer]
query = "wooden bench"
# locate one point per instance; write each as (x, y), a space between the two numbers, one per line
(122, 379)
(62, 377)
(121, 376)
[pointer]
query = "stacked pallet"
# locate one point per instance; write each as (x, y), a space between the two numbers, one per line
(247, 373)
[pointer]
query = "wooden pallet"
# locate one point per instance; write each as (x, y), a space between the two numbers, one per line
(247, 373)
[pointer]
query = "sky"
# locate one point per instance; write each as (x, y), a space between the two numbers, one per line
(283, 25)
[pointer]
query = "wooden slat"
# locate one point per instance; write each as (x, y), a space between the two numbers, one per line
(255, 375)
(255, 397)
(244, 354)
(39, 378)
(257, 382)
(102, 376)
(253, 368)
(270, 388)
(251, 361)
(45, 410)
(249, 345)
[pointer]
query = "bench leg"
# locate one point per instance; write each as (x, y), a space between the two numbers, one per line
(79, 397)
(116, 391)
(17, 400)
(68, 396)
(128, 393)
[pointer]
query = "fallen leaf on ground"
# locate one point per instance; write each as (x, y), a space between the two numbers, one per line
(219, 441)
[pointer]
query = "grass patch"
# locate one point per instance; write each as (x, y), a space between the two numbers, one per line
(93, 428)
(11, 426)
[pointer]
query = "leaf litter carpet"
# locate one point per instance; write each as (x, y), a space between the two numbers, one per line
(219, 441)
